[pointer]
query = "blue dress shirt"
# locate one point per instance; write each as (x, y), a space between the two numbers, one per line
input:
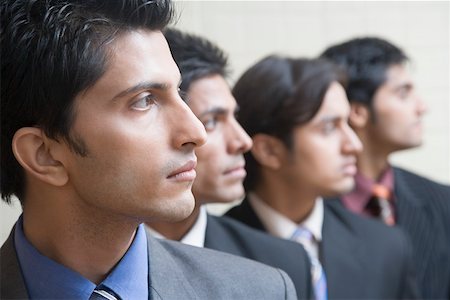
(47, 279)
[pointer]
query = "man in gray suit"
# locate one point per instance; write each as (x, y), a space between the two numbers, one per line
(95, 141)
(220, 168)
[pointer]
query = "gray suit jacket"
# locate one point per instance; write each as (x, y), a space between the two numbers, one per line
(179, 271)
(362, 258)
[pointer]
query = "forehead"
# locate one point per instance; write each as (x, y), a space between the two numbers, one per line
(335, 103)
(398, 75)
(210, 92)
(136, 57)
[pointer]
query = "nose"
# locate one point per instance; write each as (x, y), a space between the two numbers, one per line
(238, 141)
(351, 144)
(421, 107)
(188, 131)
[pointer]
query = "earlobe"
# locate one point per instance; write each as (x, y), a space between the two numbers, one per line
(359, 115)
(266, 150)
(32, 149)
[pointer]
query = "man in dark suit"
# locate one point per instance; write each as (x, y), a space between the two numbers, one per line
(296, 112)
(95, 141)
(220, 167)
(386, 114)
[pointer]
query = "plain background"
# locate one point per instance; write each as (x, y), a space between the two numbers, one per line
(250, 30)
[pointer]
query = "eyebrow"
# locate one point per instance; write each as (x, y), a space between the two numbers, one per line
(404, 86)
(146, 85)
(215, 111)
(329, 119)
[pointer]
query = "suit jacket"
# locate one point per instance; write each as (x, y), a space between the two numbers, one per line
(180, 271)
(362, 258)
(227, 235)
(423, 212)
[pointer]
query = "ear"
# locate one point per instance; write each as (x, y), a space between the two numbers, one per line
(359, 115)
(269, 151)
(33, 150)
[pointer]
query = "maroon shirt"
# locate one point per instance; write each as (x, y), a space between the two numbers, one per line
(356, 201)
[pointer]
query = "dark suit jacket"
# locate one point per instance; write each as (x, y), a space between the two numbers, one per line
(423, 212)
(227, 235)
(362, 258)
(179, 271)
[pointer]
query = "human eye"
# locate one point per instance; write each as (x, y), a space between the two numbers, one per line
(210, 123)
(143, 102)
(403, 92)
(329, 127)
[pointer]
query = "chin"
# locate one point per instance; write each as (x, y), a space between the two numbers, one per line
(174, 210)
(343, 187)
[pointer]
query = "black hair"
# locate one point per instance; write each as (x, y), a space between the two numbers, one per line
(51, 50)
(195, 56)
(366, 61)
(278, 94)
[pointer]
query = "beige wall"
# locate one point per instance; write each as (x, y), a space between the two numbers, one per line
(249, 30)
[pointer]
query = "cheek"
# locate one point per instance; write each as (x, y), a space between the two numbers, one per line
(210, 157)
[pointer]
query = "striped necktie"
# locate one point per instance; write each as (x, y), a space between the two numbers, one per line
(379, 205)
(103, 293)
(305, 237)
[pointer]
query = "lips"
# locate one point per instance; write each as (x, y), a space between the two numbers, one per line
(236, 172)
(184, 173)
(349, 168)
(233, 169)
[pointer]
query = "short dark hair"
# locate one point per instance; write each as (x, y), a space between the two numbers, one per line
(276, 95)
(51, 50)
(366, 61)
(195, 56)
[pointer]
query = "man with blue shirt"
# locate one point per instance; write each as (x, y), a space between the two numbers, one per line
(95, 141)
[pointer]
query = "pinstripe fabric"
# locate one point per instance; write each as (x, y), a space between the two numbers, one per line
(423, 212)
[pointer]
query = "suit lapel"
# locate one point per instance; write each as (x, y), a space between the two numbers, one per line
(342, 256)
(247, 215)
(12, 284)
(166, 280)
(217, 238)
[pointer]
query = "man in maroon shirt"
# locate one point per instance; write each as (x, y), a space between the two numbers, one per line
(386, 114)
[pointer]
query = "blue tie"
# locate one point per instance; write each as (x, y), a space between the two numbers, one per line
(304, 236)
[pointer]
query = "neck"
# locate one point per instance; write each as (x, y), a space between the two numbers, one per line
(373, 160)
(294, 203)
(177, 230)
(90, 243)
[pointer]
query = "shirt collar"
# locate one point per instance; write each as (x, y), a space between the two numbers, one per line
(357, 200)
(281, 226)
(195, 236)
(46, 278)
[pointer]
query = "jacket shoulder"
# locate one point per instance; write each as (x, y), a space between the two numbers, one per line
(416, 181)
(217, 275)
(12, 285)
(370, 231)
(249, 237)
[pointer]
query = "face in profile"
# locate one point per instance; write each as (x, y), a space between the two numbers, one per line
(220, 167)
(397, 112)
(323, 156)
(139, 135)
